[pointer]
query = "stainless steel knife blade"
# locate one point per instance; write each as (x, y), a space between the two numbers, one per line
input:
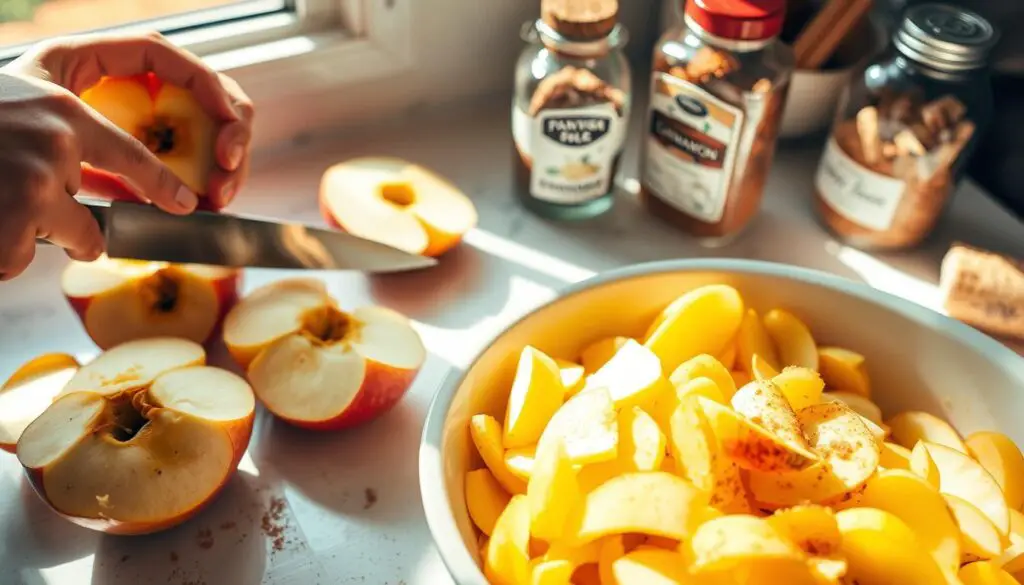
(144, 232)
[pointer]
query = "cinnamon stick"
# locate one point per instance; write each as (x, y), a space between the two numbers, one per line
(847, 20)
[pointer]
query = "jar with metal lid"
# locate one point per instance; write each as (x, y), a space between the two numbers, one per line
(905, 128)
(718, 87)
(570, 109)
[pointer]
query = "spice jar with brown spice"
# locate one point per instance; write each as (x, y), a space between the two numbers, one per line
(718, 87)
(904, 130)
(570, 109)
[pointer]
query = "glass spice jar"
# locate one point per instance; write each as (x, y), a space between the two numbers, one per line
(570, 109)
(718, 88)
(905, 128)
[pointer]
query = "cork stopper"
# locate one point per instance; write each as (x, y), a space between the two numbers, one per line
(580, 20)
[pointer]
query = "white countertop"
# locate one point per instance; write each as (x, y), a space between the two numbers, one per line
(332, 532)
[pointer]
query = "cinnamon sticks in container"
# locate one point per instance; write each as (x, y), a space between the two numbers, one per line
(984, 289)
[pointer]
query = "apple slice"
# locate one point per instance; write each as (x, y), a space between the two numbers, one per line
(752, 340)
(762, 402)
(536, 394)
(316, 366)
(701, 460)
(911, 426)
(145, 458)
(646, 502)
(894, 456)
(124, 300)
(397, 203)
(849, 457)
(980, 537)
(861, 405)
(1001, 457)
(29, 391)
(649, 567)
(485, 499)
(881, 549)
(961, 476)
(731, 541)
(588, 427)
(752, 446)
(985, 573)
(632, 376)
(714, 310)
(507, 559)
(792, 338)
(921, 507)
(599, 352)
(166, 118)
(844, 370)
(802, 387)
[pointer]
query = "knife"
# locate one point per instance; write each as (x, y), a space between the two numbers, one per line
(144, 232)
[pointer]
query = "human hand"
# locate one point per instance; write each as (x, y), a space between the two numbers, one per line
(46, 133)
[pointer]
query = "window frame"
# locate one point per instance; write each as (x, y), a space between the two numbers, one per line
(287, 55)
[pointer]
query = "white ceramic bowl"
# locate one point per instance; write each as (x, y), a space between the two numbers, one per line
(916, 359)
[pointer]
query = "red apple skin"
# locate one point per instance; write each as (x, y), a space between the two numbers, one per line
(239, 434)
(383, 387)
(12, 449)
(327, 215)
(227, 290)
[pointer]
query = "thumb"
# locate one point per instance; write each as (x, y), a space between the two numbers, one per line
(108, 147)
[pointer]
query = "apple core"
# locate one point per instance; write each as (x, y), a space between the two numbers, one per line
(327, 325)
(399, 193)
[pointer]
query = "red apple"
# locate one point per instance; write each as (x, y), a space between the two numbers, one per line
(396, 202)
(316, 366)
(29, 390)
(140, 439)
(164, 117)
(123, 300)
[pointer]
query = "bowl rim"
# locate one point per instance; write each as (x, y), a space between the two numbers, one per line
(440, 519)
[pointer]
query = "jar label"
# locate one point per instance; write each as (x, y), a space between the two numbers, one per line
(691, 147)
(860, 195)
(573, 151)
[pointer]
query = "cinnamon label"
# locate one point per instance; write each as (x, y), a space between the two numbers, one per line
(860, 195)
(691, 147)
(573, 150)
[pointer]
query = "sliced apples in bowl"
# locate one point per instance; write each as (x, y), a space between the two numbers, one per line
(728, 421)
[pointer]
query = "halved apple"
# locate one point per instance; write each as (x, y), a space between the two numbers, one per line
(166, 118)
(124, 300)
(29, 391)
(396, 202)
(143, 453)
(316, 366)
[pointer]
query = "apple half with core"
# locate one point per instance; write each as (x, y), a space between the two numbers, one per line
(125, 300)
(166, 118)
(140, 439)
(316, 366)
(398, 203)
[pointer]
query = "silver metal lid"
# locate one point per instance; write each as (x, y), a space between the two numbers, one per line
(945, 37)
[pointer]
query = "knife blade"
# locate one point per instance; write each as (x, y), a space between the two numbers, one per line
(144, 232)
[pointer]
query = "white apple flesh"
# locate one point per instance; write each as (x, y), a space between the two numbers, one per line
(122, 300)
(316, 366)
(148, 447)
(29, 391)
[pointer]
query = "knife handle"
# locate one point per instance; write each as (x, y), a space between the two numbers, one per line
(98, 208)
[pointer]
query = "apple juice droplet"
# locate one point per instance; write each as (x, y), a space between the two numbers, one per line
(569, 113)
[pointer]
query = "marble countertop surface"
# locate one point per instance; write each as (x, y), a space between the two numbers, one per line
(317, 509)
